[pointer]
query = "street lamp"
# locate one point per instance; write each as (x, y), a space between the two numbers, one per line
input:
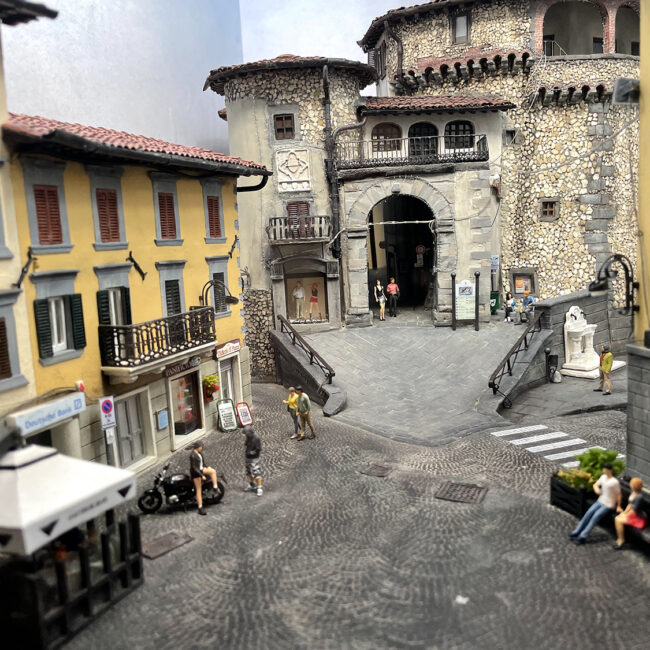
(600, 286)
(228, 298)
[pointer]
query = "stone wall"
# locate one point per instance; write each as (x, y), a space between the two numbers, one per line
(638, 412)
(258, 321)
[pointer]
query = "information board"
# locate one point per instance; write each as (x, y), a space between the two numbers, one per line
(244, 414)
(465, 300)
(227, 417)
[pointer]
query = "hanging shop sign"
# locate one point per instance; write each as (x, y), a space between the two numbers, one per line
(244, 414)
(47, 415)
(227, 417)
(465, 300)
(192, 362)
(226, 349)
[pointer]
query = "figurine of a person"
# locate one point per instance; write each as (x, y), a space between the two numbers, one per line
(313, 300)
(527, 306)
(604, 370)
(393, 294)
(199, 472)
(380, 298)
(511, 303)
(633, 515)
(298, 294)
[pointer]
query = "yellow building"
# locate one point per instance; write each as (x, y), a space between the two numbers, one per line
(124, 232)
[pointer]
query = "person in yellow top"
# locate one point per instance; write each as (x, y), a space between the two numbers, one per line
(292, 407)
(606, 361)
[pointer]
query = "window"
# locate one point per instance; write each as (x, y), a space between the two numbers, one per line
(459, 135)
(460, 24)
(59, 326)
(114, 306)
(172, 289)
(107, 215)
(597, 47)
(214, 217)
(380, 61)
(218, 272)
(5, 361)
(549, 210)
(549, 42)
(10, 376)
(220, 305)
(423, 139)
(48, 217)
(173, 297)
(635, 49)
(299, 224)
(166, 215)
(284, 127)
(386, 137)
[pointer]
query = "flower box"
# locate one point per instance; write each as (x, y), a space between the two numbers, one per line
(575, 501)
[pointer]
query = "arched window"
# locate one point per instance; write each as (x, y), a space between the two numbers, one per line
(386, 137)
(423, 139)
(627, 31)
(574, 27)
(459, 135)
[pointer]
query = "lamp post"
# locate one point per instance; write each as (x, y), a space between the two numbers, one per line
(228, 297)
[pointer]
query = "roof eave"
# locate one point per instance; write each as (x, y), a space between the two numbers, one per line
(447, 109)
(25, 12)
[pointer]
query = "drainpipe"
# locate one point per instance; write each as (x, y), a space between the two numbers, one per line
(400, 48)
(254, 188)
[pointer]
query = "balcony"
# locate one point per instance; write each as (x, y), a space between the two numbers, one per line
(299, 230)
(422, 150)
(128, 351)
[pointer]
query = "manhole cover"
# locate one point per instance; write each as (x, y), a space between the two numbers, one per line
(161, 545)
(376, 470)
(461, 492)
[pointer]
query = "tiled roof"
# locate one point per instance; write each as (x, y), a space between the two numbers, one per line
(46, 130)
(409, 104)
(217, 78)
(14, 12)
(474, 54)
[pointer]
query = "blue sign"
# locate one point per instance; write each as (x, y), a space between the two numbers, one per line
(47, 415)
(163, 419)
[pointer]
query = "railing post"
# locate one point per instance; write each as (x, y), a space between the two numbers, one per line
(453, 302)
(477, 275)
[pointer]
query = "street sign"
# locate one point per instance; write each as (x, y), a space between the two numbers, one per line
(244, 414)
(419, 249)
(227, 418)
(107, 412)
(494, 262)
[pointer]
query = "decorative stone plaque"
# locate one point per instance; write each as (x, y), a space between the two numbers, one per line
(293, 170)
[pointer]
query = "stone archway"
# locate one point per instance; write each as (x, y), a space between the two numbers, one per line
(360, 198)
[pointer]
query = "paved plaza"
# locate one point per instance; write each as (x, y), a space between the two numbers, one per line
(330, 557)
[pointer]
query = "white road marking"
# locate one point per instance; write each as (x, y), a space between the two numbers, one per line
(573, 463)
(509, 432)
(556, 445)
(569, 454)
(539, 438)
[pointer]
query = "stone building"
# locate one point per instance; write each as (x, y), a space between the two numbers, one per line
(492, 147)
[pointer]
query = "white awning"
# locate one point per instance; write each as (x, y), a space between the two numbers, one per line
(45, 494)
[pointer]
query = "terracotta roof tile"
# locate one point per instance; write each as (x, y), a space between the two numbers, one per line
(41, 127)
(442, 103)
(217, 78)
(474, 54)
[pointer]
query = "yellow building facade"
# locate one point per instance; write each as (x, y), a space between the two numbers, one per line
(124, 232)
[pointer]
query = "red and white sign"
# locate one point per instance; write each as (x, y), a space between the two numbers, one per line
(228, 348)
(420, 249)
(244, 414)
(107, 412)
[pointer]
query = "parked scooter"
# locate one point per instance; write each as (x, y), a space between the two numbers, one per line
(178, 490)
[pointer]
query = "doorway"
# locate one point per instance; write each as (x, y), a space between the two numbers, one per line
(404, 249)
(130, 430)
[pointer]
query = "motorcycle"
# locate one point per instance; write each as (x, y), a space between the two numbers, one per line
(178, 490)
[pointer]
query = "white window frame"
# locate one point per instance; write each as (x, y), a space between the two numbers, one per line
(58, 324)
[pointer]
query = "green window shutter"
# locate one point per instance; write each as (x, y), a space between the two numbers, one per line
(43, 329)
(220, 305)
(103, 309)
(5, 361)
(126, 305)
(173, 297)
(77, 321)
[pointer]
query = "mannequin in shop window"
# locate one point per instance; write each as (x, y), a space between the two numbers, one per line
(313, 301)
(298, 294)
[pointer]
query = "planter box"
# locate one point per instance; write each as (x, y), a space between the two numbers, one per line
(575, 501)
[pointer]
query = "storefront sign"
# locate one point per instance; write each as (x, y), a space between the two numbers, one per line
(107, 412)
(465, 300)
(47, 415)
(227, 418)
(192, 362)
(225, 349)
(244, 414)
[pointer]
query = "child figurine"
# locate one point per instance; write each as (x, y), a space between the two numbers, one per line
(253, 469)
(511, 303)
(633, 515)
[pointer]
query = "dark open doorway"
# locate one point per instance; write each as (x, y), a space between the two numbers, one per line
(404, 250)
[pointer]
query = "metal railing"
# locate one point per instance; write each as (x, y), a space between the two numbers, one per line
(421, 150)
(299, 229)
(135, 345)
(314, 357)
(510, 359)
(553, 48)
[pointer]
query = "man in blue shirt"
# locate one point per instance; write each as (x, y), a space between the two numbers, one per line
(527, 306)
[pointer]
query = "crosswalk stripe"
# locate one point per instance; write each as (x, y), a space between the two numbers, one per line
(539, 438)
(556, 445)
(573, 463)
(510, 432)
(569, 454)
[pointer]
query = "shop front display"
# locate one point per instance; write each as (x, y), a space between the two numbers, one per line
(306, 298)
(186, 408)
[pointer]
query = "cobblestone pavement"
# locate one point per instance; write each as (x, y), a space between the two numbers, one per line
(416, 384)
(332, 558)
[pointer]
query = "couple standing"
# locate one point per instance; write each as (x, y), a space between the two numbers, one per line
(380, 297)
(299, 406)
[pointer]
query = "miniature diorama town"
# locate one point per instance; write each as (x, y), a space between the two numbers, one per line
(146, 286)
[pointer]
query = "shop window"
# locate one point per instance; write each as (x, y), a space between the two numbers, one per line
(185, 404)
(306, 297)
(59, 325)
(460, 26)
(459, 135)
(284, 126)
(523, 281)
(549, 210)
(386, 137)
(5, 361)
(597, 47)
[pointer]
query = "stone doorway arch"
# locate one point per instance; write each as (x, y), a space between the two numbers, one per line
(360, 197)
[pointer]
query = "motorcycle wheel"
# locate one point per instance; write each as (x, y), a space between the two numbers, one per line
(217, 497)
(150, 502)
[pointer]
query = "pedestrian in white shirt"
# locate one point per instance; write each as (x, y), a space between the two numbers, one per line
(608, 490)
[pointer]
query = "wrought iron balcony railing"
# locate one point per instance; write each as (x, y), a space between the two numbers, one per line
(130, 346)
(299, 229)
(421, 150)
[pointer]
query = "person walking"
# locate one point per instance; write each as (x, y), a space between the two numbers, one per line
(292, 407)
(604, 370)
(608, 490)
(199, 472)
(380, 298)
(633, 515)
(304, 411)
(253, 452)
(393, 294)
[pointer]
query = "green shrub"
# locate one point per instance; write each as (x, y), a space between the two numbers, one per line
(591, 468)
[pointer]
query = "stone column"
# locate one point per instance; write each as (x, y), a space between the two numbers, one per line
(609, 28)
(66, 438)
(357, 310)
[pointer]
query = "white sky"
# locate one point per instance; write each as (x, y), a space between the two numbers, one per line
(308, 27)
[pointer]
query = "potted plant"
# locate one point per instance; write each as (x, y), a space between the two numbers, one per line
(210, 387)
(572, 490)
